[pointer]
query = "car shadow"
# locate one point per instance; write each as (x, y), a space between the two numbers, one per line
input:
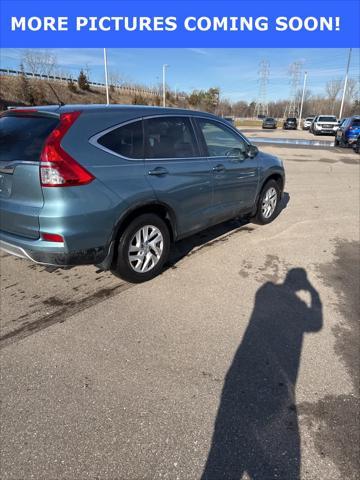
(256, 429)
(212, 235)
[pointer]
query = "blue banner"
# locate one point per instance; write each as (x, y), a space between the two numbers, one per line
(228, 24)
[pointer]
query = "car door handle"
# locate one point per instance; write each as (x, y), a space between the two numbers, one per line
(158, 172)
(219, 168)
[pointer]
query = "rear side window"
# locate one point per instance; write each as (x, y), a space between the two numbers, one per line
(355, 122)
(169, 137)
(22, 138)
(126, 141)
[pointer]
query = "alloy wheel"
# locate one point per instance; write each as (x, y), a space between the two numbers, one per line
(145, 249)
(269, 202)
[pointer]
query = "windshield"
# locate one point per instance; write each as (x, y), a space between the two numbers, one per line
(327, 119)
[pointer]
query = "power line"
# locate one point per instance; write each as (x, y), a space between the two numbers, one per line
(291, 109)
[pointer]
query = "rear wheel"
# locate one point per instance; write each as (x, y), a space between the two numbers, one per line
(268, 204)
(336, 142)
(343, 143)
(143, 249)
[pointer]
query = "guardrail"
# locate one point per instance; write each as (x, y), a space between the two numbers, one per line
(123, 88)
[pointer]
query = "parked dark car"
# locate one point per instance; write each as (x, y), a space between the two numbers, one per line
(348, 132)
(290, 123)
(269, 122)
(115, 185)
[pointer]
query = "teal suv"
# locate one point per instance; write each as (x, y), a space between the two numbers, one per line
(115, 185)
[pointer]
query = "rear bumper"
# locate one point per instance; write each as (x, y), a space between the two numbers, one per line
(325, 131)
(46, 253)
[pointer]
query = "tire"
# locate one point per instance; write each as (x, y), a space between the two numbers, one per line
(336, 142)
(156, 254)
(260, 217)
(343, 143)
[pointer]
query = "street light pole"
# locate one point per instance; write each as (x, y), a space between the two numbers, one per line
(302, 97)
(106, 78)
(164, 84)
(345, 84)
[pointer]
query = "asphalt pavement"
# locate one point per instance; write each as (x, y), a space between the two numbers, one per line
(240, 361)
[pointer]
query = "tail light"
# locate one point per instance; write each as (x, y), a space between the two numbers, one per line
(57, 167)
(52, 237)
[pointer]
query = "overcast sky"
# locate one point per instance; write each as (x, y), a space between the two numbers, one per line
(235, 71)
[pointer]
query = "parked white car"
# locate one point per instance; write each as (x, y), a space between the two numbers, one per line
(324, 125)
(307, 123)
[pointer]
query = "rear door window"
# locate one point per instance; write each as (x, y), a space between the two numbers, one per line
(126, 140)
(22, 137)
(170, 137)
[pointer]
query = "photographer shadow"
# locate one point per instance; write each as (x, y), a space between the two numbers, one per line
(256, 429)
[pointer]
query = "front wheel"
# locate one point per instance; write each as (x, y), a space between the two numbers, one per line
(268, 204)
(143, 249)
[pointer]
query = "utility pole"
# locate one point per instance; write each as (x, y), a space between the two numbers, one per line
(261, 107)
(345, 84)
(106, 78)
(165, 66)
(302, 97)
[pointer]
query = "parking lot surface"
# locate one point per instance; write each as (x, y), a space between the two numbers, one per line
(240, 361)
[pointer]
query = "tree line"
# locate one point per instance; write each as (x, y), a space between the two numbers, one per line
(210, 100)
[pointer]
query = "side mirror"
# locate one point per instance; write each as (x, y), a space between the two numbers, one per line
(252, 151)
(236, 154)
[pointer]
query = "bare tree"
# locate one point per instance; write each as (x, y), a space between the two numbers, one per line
(38, 62)
(333, 88)
(352, 89)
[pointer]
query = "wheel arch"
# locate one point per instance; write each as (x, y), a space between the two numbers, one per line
(279, 179)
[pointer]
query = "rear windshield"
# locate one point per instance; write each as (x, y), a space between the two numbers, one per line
(356, 122)
(22, 138)
(309, 119)
(291, 119)
(269, 119)
(327, 119)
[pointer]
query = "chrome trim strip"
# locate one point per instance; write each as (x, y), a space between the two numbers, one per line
(14, 250)
(93, 140)
(20, 252)
(9, 167)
